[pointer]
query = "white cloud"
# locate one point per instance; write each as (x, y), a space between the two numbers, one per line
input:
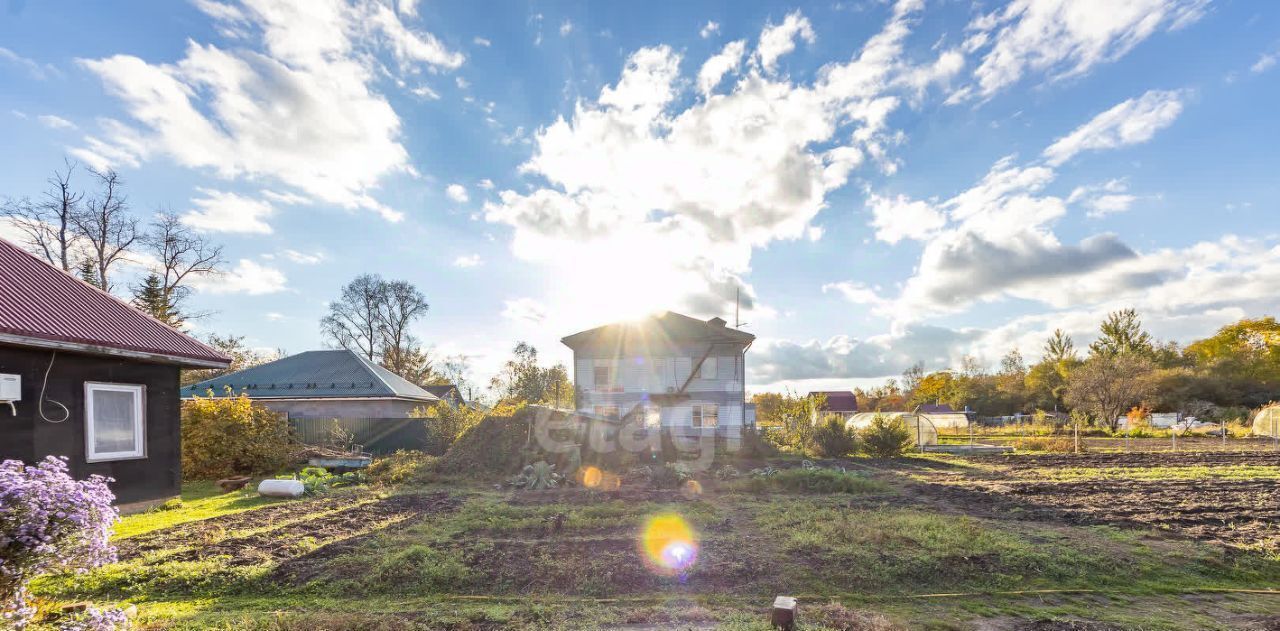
(524, 310)
(274, 316)
(287, 198)
(715, 68)
(56, 122)
(461, 83)
(778, 40)
(34, 68)
(703, 183)
(247, 277)
(898, 218)
(486, 184)
(859, 294)
(425, 92)
(458, 193)
(301, 110)
(709, 29)
(303, 258)
(480, 41)
(221, 211)
(1064, 37)
(470, 260)
(1264, 63)
(1132, 122)
(1104, 199)
(566, 27)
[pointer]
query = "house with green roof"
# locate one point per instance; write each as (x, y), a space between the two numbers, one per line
(323, 384)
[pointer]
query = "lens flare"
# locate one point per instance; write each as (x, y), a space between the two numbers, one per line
(591, 477)
(669, 544)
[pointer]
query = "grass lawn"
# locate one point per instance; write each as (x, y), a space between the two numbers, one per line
(199, 500)
(873, 550)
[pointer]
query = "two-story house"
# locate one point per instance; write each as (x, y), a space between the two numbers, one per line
(667, 371)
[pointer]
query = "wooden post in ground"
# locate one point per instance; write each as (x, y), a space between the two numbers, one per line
(784, 613)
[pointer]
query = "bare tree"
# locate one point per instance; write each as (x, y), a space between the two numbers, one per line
(182, 254)
(104, 221)
(1108, 385)
(402, 303)
(46, 225)
(354, 320)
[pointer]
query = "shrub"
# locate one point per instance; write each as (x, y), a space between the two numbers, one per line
(809, 481)
(50, 523)
(401, 467)
(832, 439)
(229, 436)
(445, 423)
(886, 437)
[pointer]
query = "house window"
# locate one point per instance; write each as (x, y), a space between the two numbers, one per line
(603, 377)
(607, 411)
(708, 369)
(114, 421)
(706, 415)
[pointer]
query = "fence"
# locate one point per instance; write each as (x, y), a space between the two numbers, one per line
(377, 435)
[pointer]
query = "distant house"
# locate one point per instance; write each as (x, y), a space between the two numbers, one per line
(670, 371)
(86, 376)
(448, 393)
(321, 385)
(839, 403)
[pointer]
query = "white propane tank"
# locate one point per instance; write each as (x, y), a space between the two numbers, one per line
(281, 488)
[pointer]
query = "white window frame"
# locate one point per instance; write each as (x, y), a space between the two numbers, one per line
(139, 421)
(708, 366)
(698, 415)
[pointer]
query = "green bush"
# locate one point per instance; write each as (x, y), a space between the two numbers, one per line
(832, 439)
(809, 481)
(886, 437)
(494, 445)
(445, 423)
(419, 568)
(230, 436)
(403, 467)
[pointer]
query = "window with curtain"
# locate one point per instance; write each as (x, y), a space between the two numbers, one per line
(114, 423)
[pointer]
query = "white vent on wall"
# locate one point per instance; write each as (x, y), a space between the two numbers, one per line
(10, 387)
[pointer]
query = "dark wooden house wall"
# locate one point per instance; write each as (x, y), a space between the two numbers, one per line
(29, 438)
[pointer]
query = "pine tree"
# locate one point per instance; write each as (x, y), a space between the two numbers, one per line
(88, 272)
(151, 298)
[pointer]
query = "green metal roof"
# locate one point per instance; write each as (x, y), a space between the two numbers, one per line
(313, 375)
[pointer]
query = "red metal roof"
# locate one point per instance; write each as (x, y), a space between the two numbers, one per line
(839, 401)
(43, 306)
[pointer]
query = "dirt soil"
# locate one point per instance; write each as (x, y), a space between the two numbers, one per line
(274, 532)
(1234, 512)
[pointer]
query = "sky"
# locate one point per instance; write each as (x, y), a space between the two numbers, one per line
(873, 183)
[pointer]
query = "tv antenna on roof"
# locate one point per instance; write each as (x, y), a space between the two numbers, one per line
(737, 299)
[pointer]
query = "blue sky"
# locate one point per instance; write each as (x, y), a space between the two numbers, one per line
(883, 182)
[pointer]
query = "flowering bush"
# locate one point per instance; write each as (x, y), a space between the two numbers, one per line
(49, 522)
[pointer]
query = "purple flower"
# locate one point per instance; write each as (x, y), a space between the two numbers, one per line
(49, 522)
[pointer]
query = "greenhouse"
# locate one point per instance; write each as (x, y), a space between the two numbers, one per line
(922, 429)
(1267, 422)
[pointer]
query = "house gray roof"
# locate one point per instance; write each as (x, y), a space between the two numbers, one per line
(666, 327)
(314, 375)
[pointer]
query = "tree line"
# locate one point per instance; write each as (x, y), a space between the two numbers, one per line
(1220, 377)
